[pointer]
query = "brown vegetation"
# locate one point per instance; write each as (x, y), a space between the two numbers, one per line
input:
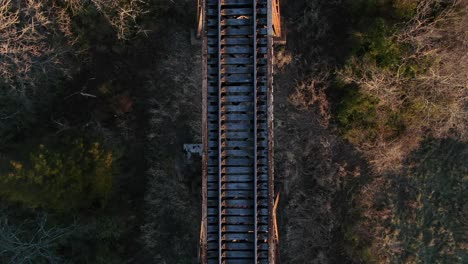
(37, 37)
(122, 15)
(427, 89)
(418, 215)
(400, 100)
(28, 50)
(311, 94)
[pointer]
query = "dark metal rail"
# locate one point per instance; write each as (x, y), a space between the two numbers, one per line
(220, 136)
(255, 123)
(238, 184)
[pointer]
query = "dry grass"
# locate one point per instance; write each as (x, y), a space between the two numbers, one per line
(418, 215)
(281, 59)
(311, 95)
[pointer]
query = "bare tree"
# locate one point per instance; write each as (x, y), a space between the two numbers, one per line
(437, 94)
(444, 39)
(25, 50)
(36, 36)
(22, 245)
(122, 15)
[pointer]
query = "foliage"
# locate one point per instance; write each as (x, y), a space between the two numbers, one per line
(363, 120)
(358, 112)
(46, 49)
(405, 9)
(364, 11)
(77, 175)
(377, 45)
(396, 92)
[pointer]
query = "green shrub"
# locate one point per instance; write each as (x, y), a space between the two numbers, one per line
(375, 24)
(358, 110)
(73, 176)
(405, 9)
(364, 11)
(379, 46)
(379, 61)
(362, 119)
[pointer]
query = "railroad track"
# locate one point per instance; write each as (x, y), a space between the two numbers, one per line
(237, 173)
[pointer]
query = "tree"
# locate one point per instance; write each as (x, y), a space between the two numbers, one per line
(412, 70)
(39, 38)
(27, 47)
(31, 242)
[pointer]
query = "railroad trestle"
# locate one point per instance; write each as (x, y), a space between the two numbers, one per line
(238, 218)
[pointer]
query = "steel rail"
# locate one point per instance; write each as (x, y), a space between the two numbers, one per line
(220, 134)
(255, 169)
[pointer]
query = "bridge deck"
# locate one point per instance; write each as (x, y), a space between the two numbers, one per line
(238, 134)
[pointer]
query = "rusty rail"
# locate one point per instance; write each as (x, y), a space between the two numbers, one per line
(200, 17)
(276, 12)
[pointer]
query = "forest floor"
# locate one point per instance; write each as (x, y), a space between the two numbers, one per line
(166, 115)
(312, 162)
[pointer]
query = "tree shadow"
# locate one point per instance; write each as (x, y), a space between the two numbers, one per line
(429, 200)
